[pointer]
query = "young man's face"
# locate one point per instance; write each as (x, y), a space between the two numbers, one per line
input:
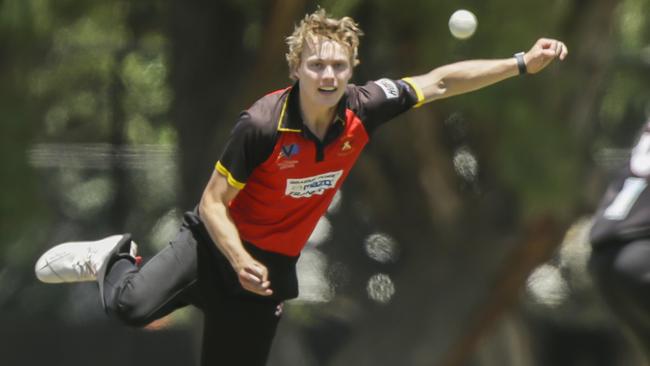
(324, 71)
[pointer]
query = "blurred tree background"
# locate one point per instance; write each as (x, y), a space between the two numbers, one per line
(459, 238)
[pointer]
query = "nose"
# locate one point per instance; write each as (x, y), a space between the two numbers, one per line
(328, 72)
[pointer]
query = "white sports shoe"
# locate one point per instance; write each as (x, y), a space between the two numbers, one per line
(83, 260)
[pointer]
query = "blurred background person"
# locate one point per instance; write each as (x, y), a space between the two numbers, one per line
(620, 236)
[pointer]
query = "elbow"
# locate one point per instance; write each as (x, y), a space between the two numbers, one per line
(217, 195)
(207, 202)
(437, 90)
(202, 203)
(203, 206)
(442, 89)
(211, 202)
(435, 84)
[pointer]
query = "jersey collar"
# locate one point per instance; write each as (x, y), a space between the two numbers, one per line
(290, 119)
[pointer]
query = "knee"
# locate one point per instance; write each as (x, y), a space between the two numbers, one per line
(129, 311)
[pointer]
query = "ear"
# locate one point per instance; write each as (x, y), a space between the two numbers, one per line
(294, 74)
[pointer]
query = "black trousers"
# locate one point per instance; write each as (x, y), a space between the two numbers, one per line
(239, 326)
(622, 273)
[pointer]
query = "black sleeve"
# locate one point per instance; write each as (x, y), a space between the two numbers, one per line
(382, 100)
(624, 212)
(248, 146)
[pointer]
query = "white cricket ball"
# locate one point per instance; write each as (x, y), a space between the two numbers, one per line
(462, 24)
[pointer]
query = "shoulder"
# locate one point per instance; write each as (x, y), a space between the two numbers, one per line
(262, 117)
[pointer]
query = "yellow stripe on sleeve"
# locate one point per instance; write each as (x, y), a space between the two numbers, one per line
(231, 180)
(418, 92)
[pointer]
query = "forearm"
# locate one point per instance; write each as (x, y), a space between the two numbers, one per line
(213, 208)
(465, 76)
(222, 231)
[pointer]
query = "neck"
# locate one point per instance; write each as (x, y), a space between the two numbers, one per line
(317, 118)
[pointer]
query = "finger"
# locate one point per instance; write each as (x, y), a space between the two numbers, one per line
(545, 43)
(267, 292)
(258, 290)
(252, 282)
(264, 289)
(549, 53)
(261, 271)
(256, 272)
(564, 52)
(253, 279)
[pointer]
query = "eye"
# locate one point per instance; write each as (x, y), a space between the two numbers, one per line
(317, 65)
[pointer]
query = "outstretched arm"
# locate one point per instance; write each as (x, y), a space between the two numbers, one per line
(466, 76)
(253, 275)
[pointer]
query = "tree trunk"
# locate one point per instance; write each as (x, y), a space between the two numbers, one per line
(208, 59)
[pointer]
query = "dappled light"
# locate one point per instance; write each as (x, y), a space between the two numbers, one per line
(381, 247)
(380, 288)
(465, 164)
(314, 286)
(547, 286)
(321, 233)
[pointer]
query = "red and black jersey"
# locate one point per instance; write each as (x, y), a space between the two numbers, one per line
(287, 176)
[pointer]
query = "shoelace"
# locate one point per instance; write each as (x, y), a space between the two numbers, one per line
(85, 267)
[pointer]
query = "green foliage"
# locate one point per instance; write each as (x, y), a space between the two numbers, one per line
(340, 8)
(626, 102)
(68, 69)
(633, 24)
(84, 62)
(537, 161)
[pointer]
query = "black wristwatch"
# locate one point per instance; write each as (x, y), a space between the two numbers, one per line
(521, 64)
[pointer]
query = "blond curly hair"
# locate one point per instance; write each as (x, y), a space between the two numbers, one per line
(318, 25)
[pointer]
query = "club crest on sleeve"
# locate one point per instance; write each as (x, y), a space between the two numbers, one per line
(389, 87)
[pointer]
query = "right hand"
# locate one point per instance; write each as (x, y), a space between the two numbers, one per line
(254, 277)
(543, 52)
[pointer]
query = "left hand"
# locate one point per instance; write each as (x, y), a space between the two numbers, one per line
(253, 276)
(543, 52)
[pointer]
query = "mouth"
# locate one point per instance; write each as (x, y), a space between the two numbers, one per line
(327, 89)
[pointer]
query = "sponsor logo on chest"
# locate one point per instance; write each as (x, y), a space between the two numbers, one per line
(309, 186)
(284, 160)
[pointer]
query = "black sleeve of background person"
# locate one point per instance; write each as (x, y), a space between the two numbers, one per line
(376, 108)
(249, 145)
(634, 226)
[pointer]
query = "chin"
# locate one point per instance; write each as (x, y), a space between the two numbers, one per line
(329, 100)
